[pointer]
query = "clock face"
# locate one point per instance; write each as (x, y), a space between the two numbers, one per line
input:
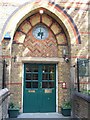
(40, 32)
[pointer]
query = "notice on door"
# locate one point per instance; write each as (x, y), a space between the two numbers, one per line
(48, 91)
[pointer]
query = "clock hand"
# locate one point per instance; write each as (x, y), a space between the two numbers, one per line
(40, 30)
(41, 33)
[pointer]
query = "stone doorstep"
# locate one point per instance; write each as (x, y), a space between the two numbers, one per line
(41, 115)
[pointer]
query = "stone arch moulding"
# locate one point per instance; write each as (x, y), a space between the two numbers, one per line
(18, 16)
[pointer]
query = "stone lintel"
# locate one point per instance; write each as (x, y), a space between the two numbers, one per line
(39, 59)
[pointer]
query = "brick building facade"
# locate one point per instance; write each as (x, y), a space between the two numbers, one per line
(45, 33)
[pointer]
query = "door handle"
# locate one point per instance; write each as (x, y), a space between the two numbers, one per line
(40, 84)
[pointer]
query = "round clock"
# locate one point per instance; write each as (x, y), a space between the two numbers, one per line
(40, 32)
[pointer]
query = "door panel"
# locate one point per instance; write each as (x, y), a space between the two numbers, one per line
(48, 101)
(39, 88)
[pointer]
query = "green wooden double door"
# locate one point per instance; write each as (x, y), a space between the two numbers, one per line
(39, 93)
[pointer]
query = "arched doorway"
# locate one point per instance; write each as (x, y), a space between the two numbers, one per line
(38, 39)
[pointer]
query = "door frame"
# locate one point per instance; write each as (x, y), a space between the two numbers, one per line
(56, 85)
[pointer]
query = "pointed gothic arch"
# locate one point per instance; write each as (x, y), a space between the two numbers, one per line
(56, 11)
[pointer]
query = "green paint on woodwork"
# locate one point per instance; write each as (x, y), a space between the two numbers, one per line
(39, 88)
